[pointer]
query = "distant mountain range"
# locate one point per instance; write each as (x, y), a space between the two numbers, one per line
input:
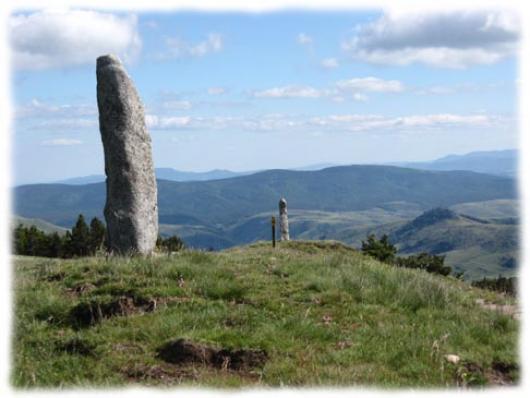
(165, 173)
(344, 203)
(227, 201)
(502, 163)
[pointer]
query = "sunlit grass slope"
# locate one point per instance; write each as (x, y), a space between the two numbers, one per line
(324, 313)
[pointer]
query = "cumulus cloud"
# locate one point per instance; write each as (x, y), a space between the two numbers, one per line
(167, 122)
(179, 48)
(38, 108)
(329, 63)
(56, 39)
(304, 39)
(61, 142)
(371, 84)
(453, 39)
(359, 123)
(329, 124)
(354, 89)
(291, 91)
(43, 115)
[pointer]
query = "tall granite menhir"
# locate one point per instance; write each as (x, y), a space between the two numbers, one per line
(131, 209)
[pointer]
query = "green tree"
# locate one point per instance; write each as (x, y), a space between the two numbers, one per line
(380, 249)
(96, 235)
(172, 244)
(55, 245)
(80, 237)
(67, 245)
(20, 240)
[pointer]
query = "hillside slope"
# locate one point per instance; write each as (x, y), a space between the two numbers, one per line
(478, 247)
(38, 223)
(303, 314)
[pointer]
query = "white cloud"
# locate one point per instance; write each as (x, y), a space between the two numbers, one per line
(61, 142)
(216, 90)
(37, 114)
(304, 39)
(371, 84)
(329, 63)
(289, 92)
(37, 108)
(360, 97)
(453, 39)
(353, 89)
(167, 122)
(330, 123)
(56, 39)
(68, 123)
(403, 123)
(178, 48)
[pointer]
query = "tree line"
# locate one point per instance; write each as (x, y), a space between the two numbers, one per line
(81, 241)
(500, 284)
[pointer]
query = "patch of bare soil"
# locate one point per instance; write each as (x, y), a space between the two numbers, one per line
(164, 374)
(502, 373)
(498, 374)
(91, 312)
(183, 351)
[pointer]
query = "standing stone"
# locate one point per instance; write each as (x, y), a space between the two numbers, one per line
(131, 209)
(284, 221)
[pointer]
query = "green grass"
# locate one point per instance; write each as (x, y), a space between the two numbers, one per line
(325, 314)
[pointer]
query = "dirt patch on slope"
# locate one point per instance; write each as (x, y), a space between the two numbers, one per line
(91, 312)
(500, 373)
(165, 374)
(183, 351)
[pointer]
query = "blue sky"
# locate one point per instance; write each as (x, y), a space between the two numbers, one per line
(273, 90)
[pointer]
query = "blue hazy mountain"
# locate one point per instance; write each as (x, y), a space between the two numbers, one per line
(165, 173)
(502, 163)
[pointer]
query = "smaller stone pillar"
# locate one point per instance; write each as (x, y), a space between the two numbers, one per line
(284, 221)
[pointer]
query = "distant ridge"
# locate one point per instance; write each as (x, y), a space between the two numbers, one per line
(503, 163)
(225, 201)
(164, 173)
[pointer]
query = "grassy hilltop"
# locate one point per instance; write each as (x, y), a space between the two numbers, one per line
(320, 313)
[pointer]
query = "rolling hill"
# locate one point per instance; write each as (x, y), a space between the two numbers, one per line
(477, 247)
(225, 202)
(342, 203)
(38, 223)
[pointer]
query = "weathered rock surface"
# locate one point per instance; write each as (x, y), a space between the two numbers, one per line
(284, 221)
(131, 209)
